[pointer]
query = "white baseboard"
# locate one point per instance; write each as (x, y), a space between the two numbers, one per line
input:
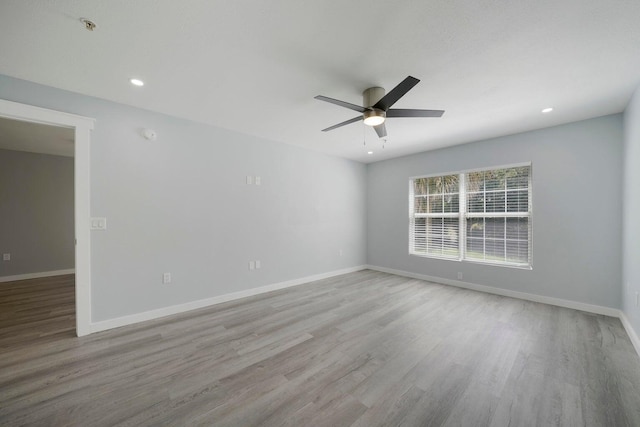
(635, 340)
(590, 308)
(36, 275)
(181, 308)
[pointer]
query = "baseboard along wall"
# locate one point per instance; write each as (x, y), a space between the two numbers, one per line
(597, 309)
(635, 340)
(36, 275)
(193, 305)
(589, 308)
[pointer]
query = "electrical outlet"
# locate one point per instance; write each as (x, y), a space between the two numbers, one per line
(252, 265)
(460, 275)
(249, 179)
(258, 180)
(6, 257)
(166, 278)
(258, 264)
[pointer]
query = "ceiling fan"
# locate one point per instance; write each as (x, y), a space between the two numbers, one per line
(377, 107)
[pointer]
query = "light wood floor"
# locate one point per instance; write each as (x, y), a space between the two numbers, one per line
(363, 349)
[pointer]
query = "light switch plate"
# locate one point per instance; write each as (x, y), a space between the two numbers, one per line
(258, 180)
(258, 264)
(249, 179)
(98, 223)
(6, 257)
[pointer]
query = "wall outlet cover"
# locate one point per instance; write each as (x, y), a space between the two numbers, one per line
(98, 223)
(6, 257)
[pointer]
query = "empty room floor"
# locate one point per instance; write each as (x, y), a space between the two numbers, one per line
(362, 349)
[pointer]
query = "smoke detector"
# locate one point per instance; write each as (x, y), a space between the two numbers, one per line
(88, 24)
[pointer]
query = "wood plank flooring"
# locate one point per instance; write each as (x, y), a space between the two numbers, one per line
(362, 349)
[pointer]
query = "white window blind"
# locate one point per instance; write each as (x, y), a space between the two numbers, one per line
(480, 216)
(435, 220)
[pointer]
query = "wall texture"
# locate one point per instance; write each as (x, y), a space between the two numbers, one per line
(36, 212)
(631, 226)
(181, 205)
(577, 202)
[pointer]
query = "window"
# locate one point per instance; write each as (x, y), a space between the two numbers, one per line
(481, 216)
(435, 205)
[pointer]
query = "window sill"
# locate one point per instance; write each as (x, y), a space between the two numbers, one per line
(470, 261)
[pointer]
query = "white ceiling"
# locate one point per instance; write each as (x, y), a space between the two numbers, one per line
(36, 138)
(255, 66)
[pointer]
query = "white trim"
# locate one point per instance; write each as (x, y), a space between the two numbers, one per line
(193, 305)
(437, 215)
(469, 215)
(507, 166)
(590, 308)
(633, 336)
(31, 113)
(82, 127)
(83, 230)
(38, 275)
(464, 217)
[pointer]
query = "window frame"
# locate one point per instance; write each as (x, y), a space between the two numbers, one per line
(439, 215)
(463, 217)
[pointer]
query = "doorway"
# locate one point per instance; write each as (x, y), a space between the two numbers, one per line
(81, 128)
(37, 228)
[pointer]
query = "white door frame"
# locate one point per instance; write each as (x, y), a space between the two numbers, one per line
(82, 128)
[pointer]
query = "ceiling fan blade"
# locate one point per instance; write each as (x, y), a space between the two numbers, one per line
(344, 104)
(381, 130)
(396, 93)
(399, 112)
(355, 119)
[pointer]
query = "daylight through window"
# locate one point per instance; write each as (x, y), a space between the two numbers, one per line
(481, 216)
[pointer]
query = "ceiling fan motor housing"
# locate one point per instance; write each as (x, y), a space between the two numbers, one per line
(371, 96)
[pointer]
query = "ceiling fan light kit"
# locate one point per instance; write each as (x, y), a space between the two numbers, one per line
(374, 117)
(377, 107)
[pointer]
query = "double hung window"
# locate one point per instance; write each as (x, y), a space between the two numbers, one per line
(481, 216)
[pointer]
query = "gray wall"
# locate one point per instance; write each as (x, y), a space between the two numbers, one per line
(631, 227)
(576, 247)
(36, 212)
(181, 205)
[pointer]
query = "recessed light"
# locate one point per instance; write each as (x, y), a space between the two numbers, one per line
(547, 110)
(369, 152)
(136, 82)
